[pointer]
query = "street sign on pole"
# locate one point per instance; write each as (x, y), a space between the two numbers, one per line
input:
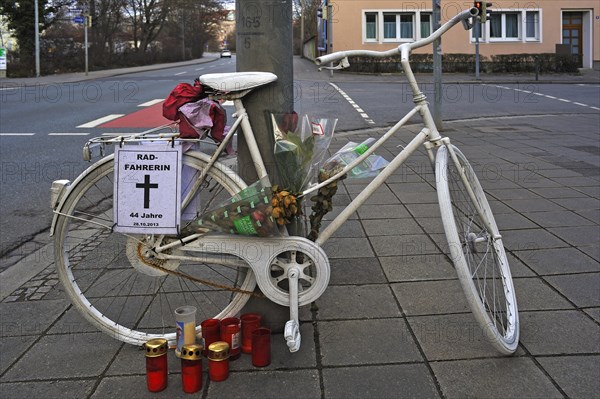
(2, 62)
(36, 32)
(79, 19)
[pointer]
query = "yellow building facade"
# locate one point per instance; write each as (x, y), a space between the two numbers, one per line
(514, 27)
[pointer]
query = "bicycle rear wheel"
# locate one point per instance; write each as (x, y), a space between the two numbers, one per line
(109, 276)
(477, 250)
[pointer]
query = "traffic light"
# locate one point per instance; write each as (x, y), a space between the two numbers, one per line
(322, 12)
(482, 6)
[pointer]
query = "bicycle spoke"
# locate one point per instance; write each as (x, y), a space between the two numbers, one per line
(484, 272)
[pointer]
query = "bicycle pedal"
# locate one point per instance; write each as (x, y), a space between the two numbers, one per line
(292, 336)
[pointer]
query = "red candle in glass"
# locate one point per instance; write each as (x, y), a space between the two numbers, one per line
(218, 361)
(250, 322)
(211, 332)
(261, 347)
(231, 333)
(191, 368)
(156, 364)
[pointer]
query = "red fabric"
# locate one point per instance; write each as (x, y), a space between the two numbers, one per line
(219, 118)
(183, 93)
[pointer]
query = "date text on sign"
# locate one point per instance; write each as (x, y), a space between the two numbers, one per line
(147, 192)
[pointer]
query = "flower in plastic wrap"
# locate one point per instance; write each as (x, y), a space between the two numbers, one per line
(249, 212)
(300, 149)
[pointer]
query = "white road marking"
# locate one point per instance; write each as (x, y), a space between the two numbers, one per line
(17, 134)
(100, 121)
(68, 134)
(180, 73)
(199, 69)
(546, 95)
(151, 102)
(354, 105)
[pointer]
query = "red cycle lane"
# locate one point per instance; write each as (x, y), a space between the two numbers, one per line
(148, 117)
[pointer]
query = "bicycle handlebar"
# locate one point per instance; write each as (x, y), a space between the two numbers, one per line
(403, 49)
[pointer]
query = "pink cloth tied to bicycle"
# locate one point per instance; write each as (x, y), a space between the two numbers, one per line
(207, 114)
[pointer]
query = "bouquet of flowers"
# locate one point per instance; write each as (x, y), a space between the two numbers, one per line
(299, 150)
(249, 212)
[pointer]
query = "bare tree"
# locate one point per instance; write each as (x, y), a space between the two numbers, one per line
(148, 17)
(107, 16)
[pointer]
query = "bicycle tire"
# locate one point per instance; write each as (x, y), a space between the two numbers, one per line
(470, 226)
(111, 290)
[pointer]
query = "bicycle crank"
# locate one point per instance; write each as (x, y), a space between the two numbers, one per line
(290, 271)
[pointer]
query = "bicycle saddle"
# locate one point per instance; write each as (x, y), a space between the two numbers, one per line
(237, 81)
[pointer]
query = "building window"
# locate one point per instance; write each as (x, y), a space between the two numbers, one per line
(513, 25)
(397, 27)
(388, 26)
(504, 26)
(532, 25)
(371, 26)
(406, 26)
(425, 24)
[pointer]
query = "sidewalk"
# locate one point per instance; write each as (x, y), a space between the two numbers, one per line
(304, 69)
(106, 73)
(394, 322)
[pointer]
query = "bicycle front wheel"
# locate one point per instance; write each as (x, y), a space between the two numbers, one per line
(109, 277)
(476, 249)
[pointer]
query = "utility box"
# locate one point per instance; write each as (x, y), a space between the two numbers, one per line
(563, 49)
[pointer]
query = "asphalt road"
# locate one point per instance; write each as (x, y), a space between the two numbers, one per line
(41, 135)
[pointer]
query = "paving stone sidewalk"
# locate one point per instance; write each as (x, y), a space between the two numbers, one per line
(393, 322)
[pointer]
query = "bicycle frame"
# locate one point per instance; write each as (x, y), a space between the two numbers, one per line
(429, 134)
(302, 262)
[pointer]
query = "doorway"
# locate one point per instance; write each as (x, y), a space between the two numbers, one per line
(572, 34)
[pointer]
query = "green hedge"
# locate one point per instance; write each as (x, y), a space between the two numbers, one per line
(547, 63)
(465, 63)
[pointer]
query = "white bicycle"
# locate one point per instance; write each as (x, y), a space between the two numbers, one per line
(129, 285)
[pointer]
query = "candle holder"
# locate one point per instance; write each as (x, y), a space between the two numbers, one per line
(261, 347)
(231, 333)
(185, 320)
(218, 361)
(211, 332)
(156, 364)
(191, 368)
(250, 322)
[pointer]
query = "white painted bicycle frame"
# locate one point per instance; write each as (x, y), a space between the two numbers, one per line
(428, 136)
(208, 248)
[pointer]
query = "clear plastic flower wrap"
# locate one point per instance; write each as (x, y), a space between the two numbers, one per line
(300, 149)
(249, 212)
(348, 153)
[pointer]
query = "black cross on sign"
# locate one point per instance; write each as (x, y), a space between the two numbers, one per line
(146, 186)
